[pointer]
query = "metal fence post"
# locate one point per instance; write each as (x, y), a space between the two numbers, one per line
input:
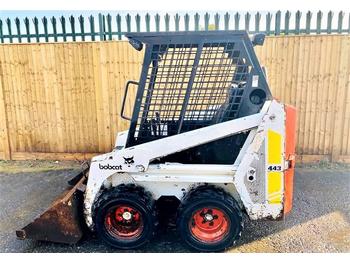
(237, 17)
(187, 22)
(1, 32)
(278, 23)
(257, 22)
(177, 22)
(227, 21)
(18, 26)
(167, 22)
(81, 26)
(308, 22)
(8, 22)
(138, 23)
(318, 22)
(217, 21)
(148, 22)
(286, 22)
(54, 28)
(36, 29)
(340, 22)
(247, 21)
(92, 27)
(119, 26)
(206, 21)
(101, 27)
(329, 22)
(63, 24)
(157, 20)
(196, 22)
(72, 26)
(297, 22)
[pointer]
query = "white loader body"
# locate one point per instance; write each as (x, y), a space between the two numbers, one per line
(246, 178)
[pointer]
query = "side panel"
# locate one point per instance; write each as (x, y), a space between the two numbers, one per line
(290, 143)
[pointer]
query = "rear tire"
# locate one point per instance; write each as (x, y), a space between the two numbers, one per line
(125, 217)
(209, 219)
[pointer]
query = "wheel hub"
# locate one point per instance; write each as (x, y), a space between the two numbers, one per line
(208, 217)
(127, 215)
(209, 224)
(124, 222)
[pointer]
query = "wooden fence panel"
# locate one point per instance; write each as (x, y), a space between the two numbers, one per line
(63, 100)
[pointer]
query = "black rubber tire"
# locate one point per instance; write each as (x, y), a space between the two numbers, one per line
(130, 195)
(209, 196)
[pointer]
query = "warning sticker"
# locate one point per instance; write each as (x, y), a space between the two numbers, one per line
(255, 81)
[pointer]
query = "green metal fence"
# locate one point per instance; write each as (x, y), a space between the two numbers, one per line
(108, 27)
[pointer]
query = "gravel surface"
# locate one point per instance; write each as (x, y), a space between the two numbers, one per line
(319, 222)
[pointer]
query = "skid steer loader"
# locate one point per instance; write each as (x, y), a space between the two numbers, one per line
(205, 129)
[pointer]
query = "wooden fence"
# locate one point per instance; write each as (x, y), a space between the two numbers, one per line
(62, 100)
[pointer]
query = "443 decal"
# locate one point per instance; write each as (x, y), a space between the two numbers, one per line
(274, 168)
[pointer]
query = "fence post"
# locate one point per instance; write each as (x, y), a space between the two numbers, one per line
(54, 28)
(101, 27)
(167, 22)
(278, 23)
(1, 33)
(286, 22)
(297, 22)
(148, 22)
(8, 22)
(237, 17)
(340, 22)
(187, 22)
(257, 22)
(63, 24)
(72, 27)
(196, 22)
(329, 22)
(268, 23)
(109, 26)
(217, 21)
(206, 21)
(81, 23)
(18, 26)
(319, 22)
(119, 26)
(308, 22)
(92, 27)
(6, 146)
(157, 20)
(247, 21)
(138, 23)
(36, 29)
(227, 21)
(177, 22)
(46, 33)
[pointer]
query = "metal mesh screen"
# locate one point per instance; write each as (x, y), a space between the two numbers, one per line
(191, 86)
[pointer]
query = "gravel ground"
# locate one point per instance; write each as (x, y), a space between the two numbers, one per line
(319, 222)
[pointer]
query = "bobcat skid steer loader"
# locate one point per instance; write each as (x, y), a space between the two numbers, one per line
(205, 130)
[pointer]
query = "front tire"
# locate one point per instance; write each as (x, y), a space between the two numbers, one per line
(209, 220)
(125, 217)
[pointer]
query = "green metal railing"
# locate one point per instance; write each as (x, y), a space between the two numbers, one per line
(108, 26)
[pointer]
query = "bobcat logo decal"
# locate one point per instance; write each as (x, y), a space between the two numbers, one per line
(129, 160)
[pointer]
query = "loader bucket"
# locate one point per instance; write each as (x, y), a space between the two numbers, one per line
(62, 221)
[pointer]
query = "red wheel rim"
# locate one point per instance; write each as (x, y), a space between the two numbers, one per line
(124, 221)
(209, 224)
